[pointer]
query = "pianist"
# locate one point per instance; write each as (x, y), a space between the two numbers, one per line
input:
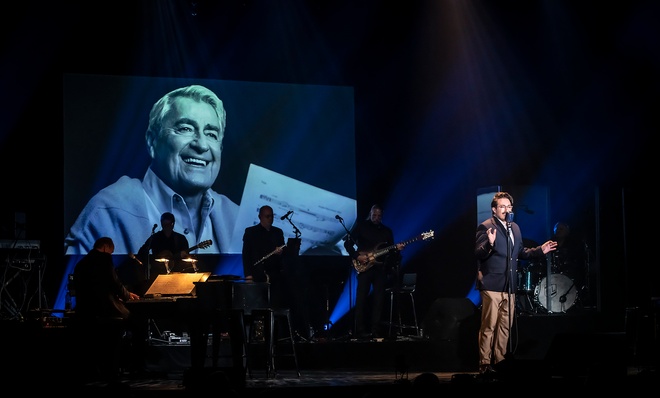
(100, 313)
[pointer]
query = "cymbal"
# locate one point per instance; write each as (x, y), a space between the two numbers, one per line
(189, 260)
(163, 260)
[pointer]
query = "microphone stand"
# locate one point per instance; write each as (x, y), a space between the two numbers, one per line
(148, 270)
(151, 239)
(350, 275)
(509, 253)
(295, 229)
(297, 239)
(295, 260)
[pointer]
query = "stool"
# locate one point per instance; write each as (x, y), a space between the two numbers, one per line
(407, 287)
(270, 317)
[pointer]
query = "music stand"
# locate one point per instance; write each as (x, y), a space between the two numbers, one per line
(176, 284)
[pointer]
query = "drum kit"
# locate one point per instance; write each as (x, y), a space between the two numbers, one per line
(546, 288)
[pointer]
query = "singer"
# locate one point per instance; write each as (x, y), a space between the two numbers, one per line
(498, 246)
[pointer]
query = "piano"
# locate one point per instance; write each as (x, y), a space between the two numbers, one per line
(217, 304)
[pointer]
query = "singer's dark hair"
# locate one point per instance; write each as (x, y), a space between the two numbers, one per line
(501, 195)
(167, 216)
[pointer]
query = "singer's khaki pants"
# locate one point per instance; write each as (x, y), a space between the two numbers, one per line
(496, 313)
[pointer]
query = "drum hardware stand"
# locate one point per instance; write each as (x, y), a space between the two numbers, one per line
(524, 303)
(548, 293)
(528, 306)
(562, 298)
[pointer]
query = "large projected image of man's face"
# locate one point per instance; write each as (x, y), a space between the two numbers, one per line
(186, 151)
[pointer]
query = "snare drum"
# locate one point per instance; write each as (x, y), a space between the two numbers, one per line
(561, 290)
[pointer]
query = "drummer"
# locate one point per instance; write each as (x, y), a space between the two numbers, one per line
(569, 258)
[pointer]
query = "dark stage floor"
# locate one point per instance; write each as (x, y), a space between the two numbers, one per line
(396, 370)
(558, 353)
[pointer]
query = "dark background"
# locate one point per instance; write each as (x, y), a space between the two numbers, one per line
(451, 97)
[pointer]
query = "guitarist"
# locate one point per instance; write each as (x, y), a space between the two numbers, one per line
(166, 243)
(264, 240)
(368, 235)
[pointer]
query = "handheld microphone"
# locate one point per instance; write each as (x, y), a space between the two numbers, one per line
(338, 217)
(288, 213)
(509, 217)
(154, 228)
(131, 255)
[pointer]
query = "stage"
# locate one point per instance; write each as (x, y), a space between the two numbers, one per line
(552, 349)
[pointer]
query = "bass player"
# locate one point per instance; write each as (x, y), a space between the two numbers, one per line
(369, 235)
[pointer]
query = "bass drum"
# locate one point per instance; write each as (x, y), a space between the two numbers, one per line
(561, 290)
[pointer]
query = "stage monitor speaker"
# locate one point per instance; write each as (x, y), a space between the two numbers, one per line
(444, 318)
(591, 355)
(452, 324)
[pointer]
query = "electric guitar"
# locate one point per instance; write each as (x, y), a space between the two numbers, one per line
(373, 255)
(262, 259)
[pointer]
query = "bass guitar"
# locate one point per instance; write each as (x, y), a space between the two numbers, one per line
(373, 255)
